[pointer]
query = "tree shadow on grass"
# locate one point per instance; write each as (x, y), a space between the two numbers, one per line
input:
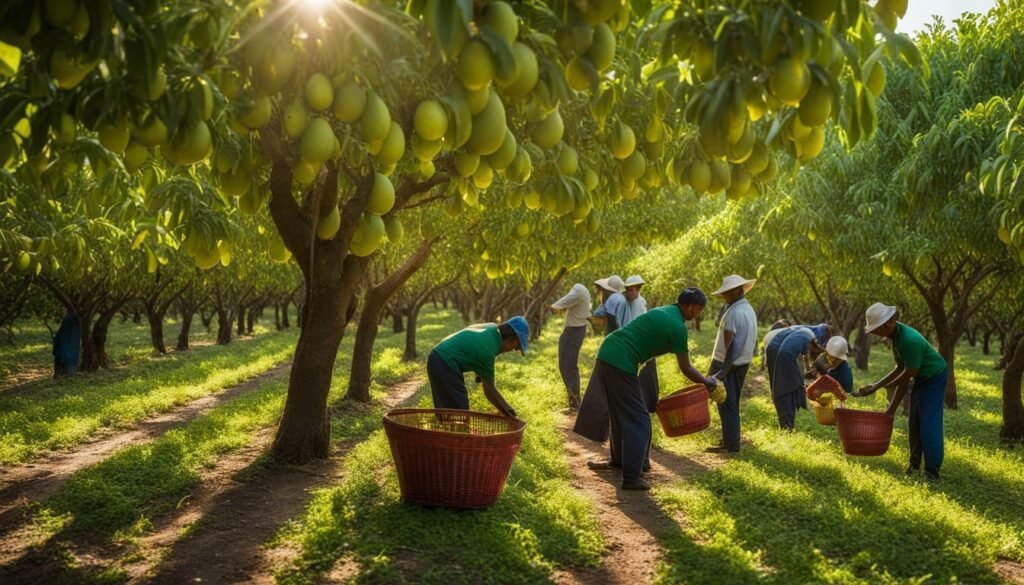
(808, 522)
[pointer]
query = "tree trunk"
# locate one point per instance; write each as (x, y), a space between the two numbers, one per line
(277, 316)
(863, 348)
(207, 319)
(250, 322)
(223, 327)
(94, 347)
(186, 326)
(396, 321)
(284, 315)
(1013, 406)
(947, 349)
(241, 320)
(156, 331)
(986, 341)
(410, 353)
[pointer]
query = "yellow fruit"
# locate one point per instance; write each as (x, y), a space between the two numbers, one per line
(224, 251)
(317, 144)
(758, 160)
(430, 120)
(201, 98)
(590, 179)
(528, 72)
(483, 176)
(721, 176)
(531, 199)
(521, 167)
(394, 229)
(1004, 236)
(602, 49)
(899, 7)
(506, 153)
(382, 195)
(812, 235)
(393, 147)
(256, 113)
(475, 67)
(596, 11)
(887, 268)
(744, 147)
(700, 176)
(24, 261)
(499, 17)
(756, 106)
(375, 123)
(230, 85)
(305, 172)
(797, 130)
(278, 252)
(703, 59)
(633, 167)
(368, 235)
(295, 120)
(816, 105)
(425, 149)
(67, 70)
(275, 69)
(489, 127)
(548, 131)
(59, 13)
(885, 14)
(622, 141)
(790, 80)
(466, 163)
(319, 92)
(568, 160)
(207, 258)
(811, 146)
(477, 99)
(234, 184)
(66, 130)
(151, 132)
(134, 155)
(876, 79)
(740, 182)
(114, 135)
(577, 73)
(191, 144)
(349, 102)
(328, 225)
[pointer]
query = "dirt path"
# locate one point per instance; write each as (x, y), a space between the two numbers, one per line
(236, 510)
(630, 521)
(22, 485)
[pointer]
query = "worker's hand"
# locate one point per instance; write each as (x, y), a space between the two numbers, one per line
(865, 391)
(711, 383)
(810, 374)
(511, 412)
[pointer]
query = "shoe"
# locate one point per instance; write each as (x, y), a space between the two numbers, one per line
(911, 471)
(932, 476)
(720, 449)
(647, 466)
(635, 485)
(603, 465)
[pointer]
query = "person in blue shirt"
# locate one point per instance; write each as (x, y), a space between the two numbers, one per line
(785, 372)
(834, 363)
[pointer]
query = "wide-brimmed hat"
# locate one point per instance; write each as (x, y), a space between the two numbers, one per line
(734, 281)
(838, 348)
(612, 283)
(634, 280)
(522, 329)
(877, 315)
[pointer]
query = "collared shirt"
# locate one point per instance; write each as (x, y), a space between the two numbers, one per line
(472, 350)
(741, 321)
(576, 304)
(912, 350)
(615, 305)
(656, 332)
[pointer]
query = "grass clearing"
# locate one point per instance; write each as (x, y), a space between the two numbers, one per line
(540, 522)
(50, 414)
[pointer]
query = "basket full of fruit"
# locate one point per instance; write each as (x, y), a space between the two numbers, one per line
(825, 394)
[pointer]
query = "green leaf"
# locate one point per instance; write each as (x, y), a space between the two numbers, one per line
(10, 60)
(505, 61)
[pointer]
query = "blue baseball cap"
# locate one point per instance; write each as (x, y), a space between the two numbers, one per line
(522, 329)
(822, 333)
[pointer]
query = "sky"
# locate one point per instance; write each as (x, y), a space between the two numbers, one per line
(919, 12)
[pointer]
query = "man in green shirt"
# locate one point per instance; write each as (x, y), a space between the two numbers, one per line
(473, 350)
(656, 332)
(916, 360)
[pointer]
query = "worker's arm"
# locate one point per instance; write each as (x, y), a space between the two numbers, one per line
(902, 383)
(730, 355)
(495, 398)
(683, 359)
(889, 378)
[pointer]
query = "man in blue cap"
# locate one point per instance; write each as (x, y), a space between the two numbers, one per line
(473, 350)
(786, 373)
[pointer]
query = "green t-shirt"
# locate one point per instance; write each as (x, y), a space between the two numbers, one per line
(472, 350)
(912, 350)
(656, 332)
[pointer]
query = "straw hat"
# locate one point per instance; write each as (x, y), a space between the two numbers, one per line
(634, 280)
(734, 281)
(612, 283)
(838, 348)
(878, 315)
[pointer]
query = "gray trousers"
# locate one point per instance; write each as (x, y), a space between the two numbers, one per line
(569, 345)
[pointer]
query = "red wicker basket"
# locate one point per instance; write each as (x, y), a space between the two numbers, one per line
(453, 458)
(864, 432)
(825, 384)
(685, 411)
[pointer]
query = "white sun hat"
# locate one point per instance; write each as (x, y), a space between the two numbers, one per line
(634, 280)
(734, 281)
(838, 348)
(877, 315)
(612, 283)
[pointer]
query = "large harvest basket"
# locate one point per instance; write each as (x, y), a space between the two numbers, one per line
(864, 432)
(453, 458)
(685, 411)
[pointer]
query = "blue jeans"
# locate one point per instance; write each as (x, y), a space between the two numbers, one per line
(729, 411)
(926, 425)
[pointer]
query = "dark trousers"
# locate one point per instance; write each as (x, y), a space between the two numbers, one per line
(926, 425)
(785, 408)
(630, 421)
(729, 411)
(447, 386)
(648, 379)
(569, 345)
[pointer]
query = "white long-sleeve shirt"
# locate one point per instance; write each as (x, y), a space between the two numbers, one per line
(576, 304)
